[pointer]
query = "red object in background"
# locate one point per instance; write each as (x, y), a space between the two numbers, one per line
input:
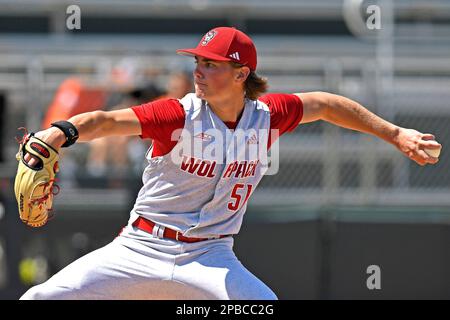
(72, 98)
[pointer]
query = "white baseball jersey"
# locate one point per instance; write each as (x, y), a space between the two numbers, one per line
(201, 187)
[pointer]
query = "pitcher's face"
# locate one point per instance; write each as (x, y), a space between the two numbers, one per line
(213, 79)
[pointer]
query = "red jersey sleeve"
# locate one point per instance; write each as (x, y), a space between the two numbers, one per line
(158, 120)
(286, 111)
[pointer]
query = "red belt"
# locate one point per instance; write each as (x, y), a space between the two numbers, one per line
(163, 232)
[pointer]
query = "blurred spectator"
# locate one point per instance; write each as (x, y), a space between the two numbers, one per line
(179, 84)
(113, 158)
(72, 97)
(118, 157)
(123, 87)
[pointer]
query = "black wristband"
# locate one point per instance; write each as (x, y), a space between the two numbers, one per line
(69, 130)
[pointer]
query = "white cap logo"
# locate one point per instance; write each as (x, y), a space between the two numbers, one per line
(235, 55)
(208, 37)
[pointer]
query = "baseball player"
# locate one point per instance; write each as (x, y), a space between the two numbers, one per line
(178, 243)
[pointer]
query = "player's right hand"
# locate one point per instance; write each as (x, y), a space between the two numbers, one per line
(412, 143)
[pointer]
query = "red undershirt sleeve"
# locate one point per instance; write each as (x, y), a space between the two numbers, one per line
(158, 120)
(286, 111)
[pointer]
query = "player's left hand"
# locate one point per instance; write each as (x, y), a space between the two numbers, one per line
(412, 144)
(34, 185)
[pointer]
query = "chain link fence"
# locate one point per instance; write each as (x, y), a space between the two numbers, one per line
(319, 162)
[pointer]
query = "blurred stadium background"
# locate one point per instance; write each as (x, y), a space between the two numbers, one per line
(341, 201)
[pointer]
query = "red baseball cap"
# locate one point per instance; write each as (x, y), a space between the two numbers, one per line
(225, 44)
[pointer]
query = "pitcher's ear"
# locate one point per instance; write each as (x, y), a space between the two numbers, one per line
(243, 73)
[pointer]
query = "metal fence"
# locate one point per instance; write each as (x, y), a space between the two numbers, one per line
(319, 163)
